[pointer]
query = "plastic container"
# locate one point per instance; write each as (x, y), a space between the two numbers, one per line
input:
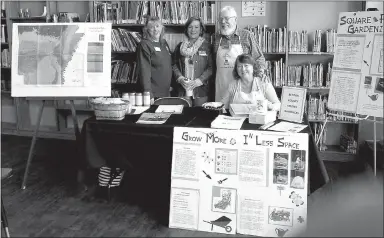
(147, 99)
(132, 98)
(139, 99)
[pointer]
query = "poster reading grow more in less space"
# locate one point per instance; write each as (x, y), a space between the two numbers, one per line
(357, 83)
(61, 59)
(246, 182)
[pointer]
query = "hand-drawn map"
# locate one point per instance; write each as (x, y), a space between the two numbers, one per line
(61, 59)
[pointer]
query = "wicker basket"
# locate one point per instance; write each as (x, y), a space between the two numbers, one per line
(110, 111)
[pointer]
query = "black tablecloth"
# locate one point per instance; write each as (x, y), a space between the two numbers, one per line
(147, 149)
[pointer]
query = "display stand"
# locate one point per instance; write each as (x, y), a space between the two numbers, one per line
(359, 119)
(35, 134)
(357, 73)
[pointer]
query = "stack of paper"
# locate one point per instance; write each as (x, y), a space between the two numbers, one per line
(176, 109)
(227, 122)
(241, 110)
(288, 127)
(153, 118)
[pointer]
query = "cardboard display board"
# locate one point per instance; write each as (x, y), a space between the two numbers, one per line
(243, 181)
(357, 83)
(61, 59)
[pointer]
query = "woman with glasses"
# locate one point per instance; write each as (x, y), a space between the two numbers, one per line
(154, 60)
(192, 64)
(228, 44)
(248, 87)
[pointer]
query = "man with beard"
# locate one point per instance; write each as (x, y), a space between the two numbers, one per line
(229, 43)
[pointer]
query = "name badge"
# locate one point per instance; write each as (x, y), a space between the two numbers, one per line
(202, 53)
(157, 48)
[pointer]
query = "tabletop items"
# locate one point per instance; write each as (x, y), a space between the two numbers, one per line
(110, 108)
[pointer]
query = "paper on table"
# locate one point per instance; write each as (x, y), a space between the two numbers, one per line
(177, 109)
(227, 122)
(287, 126)
(138, 109)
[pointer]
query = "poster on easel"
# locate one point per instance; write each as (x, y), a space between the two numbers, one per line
(246, 182)
(61, 59)
(357, 83)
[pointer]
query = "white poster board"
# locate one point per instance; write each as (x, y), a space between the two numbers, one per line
(357, 83)
(243, 181)
(292, 104)
(253, 8)
(61, 59)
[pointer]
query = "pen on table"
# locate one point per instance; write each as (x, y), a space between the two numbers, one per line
(266, 126)
(190, 121)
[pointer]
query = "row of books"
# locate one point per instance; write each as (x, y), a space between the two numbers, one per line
(311, 75)
(5, 58)
(124, 40)
(123, 72)
(3, 34)
(276, 72)
(316, 109)
(2, 9)
(270, 40)
(170, 12)
(298, 41)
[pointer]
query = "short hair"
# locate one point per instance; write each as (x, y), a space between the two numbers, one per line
(244, 59)
(229, 9)
(152, 19)
(190, 20)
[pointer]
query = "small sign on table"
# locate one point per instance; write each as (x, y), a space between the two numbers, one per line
(292, 104)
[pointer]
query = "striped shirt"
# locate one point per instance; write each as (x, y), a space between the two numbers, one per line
(108, 177)
(248, 43)
(266, 90)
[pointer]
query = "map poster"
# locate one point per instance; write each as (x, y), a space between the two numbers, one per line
(246, 182)
(61, 59)
(357, 83)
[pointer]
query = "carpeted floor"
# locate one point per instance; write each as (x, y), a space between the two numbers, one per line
(50, 206)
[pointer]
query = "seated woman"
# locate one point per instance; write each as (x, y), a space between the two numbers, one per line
(247, 88)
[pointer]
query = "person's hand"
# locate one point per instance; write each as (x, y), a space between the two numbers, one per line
(186, 84)
(195, 83)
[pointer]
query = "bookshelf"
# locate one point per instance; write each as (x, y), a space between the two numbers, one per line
(295, 16)
(8, 104)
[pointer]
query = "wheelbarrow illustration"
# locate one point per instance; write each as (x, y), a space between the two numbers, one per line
(222, 222)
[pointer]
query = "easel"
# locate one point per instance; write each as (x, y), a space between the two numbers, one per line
(36, 132)
(359, 119)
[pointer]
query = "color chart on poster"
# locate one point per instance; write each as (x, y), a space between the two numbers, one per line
(357, 83)
(246, 182)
